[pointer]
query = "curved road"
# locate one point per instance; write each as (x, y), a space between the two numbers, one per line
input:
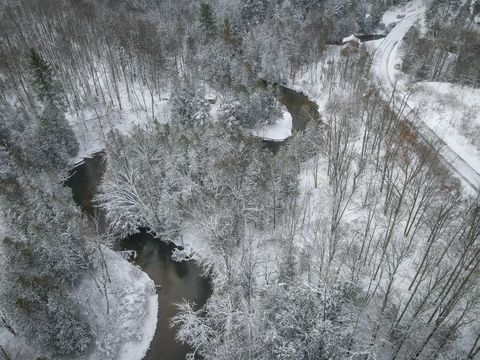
(384, 69)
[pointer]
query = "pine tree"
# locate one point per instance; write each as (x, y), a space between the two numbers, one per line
(55, 136)
(37, 299)
(208, 21)
(42, 77)
(227, 34)
(40, 266)
(188, 105)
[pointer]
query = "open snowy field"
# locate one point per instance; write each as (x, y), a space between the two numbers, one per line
(453, 113)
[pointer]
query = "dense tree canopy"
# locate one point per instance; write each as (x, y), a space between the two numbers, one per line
(351, 239)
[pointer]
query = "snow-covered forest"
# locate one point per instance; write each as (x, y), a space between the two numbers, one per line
(240, 179)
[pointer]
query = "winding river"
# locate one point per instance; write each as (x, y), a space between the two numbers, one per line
(300, 107)
(179, 281)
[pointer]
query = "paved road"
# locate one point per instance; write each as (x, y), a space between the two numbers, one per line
(383, 68)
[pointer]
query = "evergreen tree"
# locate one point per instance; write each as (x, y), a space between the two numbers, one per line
(208, 21)
(38, 302)
(42, 77)
(188, 105)
(40, 268)
(55, 136)
(227, 34)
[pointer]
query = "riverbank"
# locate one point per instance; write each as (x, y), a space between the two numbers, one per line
(125, 332)
(92, 125)
(84, 182)
(179, 282)
(129, 326)
(176, 281)
(279, 131)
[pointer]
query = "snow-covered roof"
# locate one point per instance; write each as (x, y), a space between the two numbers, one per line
(351, 38)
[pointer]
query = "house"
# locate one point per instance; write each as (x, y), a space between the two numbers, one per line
(350, 45)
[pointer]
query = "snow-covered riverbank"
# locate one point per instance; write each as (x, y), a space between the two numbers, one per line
(126, 331)
(92, 127)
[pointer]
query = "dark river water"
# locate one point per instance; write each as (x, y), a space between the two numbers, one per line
(300, 107)
(179, 281)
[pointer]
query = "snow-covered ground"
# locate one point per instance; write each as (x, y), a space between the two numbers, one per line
(93, 125)
(453, 113)
(457, 152)
(264, 244)
(126, 331)
(386, 56)
(396, 14)
(311, 78)
(279, 131)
